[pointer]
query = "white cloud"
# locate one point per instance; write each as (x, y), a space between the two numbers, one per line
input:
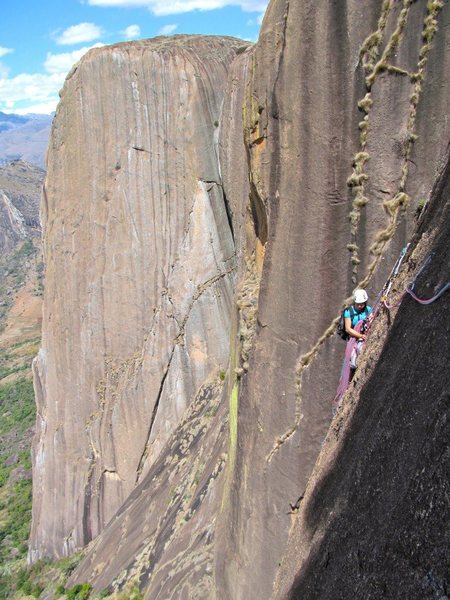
(77, 34)
(38, 91)
(36, 88)
(4, 71)
(260, 18)
(38, 109)
(5, 51)
(167, 29)
(172, 7)
(62, 63)
(132, 32)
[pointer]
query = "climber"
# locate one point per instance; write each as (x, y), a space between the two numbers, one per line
(359, 311)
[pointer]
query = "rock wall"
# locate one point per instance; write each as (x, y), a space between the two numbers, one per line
(345, 123)
(140, 261)
(163, 539)
(373, 522)
(171, 549)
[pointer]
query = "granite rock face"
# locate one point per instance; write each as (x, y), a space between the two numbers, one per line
(374, 518)
(308, 191)
(163, 537)
(345, 124)
(171, 549)
(140, 261)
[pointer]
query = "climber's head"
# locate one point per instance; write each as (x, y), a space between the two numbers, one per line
(360, 298)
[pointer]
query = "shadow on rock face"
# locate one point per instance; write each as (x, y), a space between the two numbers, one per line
(381, 513)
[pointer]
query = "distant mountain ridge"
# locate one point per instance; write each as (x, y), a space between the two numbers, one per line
(24, 137)
(20, 236)
(7, 121)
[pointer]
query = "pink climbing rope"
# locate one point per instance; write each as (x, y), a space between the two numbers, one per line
(395, 305)
(345, 371)
(409, 290)
(410, 287)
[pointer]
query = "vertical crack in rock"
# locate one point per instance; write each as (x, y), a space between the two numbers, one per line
(153, 417)
(256, 134)
(259, 214)
(225, 202)
(179, 340)
(86, 520)
(229, 216)
(247, 303)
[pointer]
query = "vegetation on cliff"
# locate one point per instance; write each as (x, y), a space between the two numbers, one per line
(21, 272)
(17, 411)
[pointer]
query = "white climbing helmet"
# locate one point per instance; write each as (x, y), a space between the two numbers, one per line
(360, 296)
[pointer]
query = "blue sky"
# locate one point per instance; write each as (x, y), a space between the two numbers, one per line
(41, 39)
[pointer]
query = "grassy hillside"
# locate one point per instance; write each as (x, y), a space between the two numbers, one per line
(17, 416)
